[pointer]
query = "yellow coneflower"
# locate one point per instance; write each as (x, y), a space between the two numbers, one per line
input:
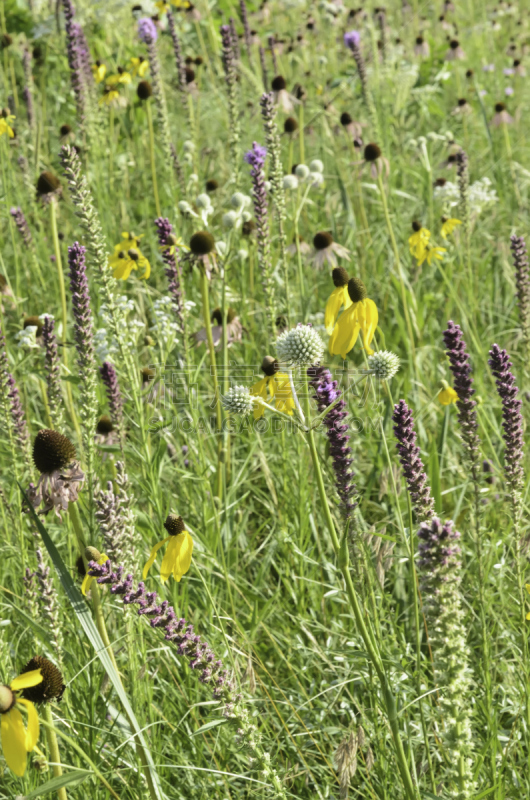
(338, 298)
(448, 226)
(17, 740)
(99, 71)
(139, 66)
(361, 316)
(128, 256)
(274, 386)
(447, 395)
(418, 240)
(122, 76)
(177, 558)
(92, 554)
(111, 97)
(430, 254)
(6, 120)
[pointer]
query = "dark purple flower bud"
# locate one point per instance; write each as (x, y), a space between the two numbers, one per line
(512, 419)
(410, 458)
(463, 385)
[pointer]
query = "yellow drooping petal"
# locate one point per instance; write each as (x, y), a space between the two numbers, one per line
(13, 735)
(152, 556)
(185, 552)
(26, 680)
(170, 557)
(339, 297)
(32, 730)
(99, 72)
(123, 268)
(368, 318)
(345, 332)
(259, 390)
(447, 396)
(448, 227)
(434, 253)
(282, 393)
(146, 266)
(418, 240)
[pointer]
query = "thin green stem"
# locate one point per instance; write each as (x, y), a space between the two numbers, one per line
(152, 156)
(53, 748)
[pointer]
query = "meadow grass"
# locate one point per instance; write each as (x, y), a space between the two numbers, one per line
(366, 652)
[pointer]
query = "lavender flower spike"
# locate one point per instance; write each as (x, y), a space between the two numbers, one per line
(166, 240)
(522, 280)
(114, 395)
(352, 39)
(22, 226)
(463, 385)
(512, 419)
(326, 392)
(75, 60)
(256, 158)
(147, 31)
(53, 376)
(411, 463)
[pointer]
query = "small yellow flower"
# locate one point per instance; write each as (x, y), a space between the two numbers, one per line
(274, 386)
(161, 6)
(361, 316)
(139, 66)
(87, 580)
(128, 256)
(447, 395)
(430, 253)
(111, 97)
(181, 3)
(99, 71)
(177, 558)
(338, 298)
(5, 126)
(448, 226)
(122, 77)
(17, 740)
(173, 244)
(419, 239)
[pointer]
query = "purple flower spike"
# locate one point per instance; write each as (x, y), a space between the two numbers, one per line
(512, 419)
(81, 307)
(147, 31)
(326, 393)
(409, 456)
(256, 156)
(463, 385)
(352, 39)
(114, 395)
(438, 548)
(173, 271)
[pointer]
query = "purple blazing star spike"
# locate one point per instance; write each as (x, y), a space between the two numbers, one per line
(147, 31)
(326, 392)
(17, 412)
(114, 395)
(81, 307)
(22, 225)
(352, 39)
(178, 631)
(522, 281)
(173, 271)
(256, 156)
(409, 456)
(438, 550)
(463, 385)
(512, 419)
(75, 58)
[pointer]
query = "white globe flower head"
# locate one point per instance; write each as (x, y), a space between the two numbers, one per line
(290, 182)
(301, 172)
(246, 216)
(242, 255)
(194, 178)
(268, 185)
(230, 220)
(238, 400)
(316, 178)
(203, 201)
(188, 146)
(222, 249)
(238, 201)
(300, 347)
(384, 364)
(316, 165)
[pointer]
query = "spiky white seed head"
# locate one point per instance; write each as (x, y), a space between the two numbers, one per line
(300, 347)
(384, 364)
(238, 400)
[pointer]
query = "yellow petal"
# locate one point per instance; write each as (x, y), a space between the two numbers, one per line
(85, 586)
(143, 262)
(447, 396)
(345, 332)
(152, 556)
(14, 741)
(369, 323)
(527, 587)
(528, 615)
(26, 681)
(185, 551)
(170, 557)
(32, 730)
(333, 305)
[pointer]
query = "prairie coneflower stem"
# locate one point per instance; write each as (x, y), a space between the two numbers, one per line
(213, 368)
(152, 156)
(53, 748)
(398, 263)
(364, 630)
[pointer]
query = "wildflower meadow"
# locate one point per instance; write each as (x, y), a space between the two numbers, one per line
(264, 375)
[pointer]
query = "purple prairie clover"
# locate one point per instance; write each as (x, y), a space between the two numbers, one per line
(166, 241)
(147, 31)
(512, 419)
(411, 463)
(177, 631)
(326, 392)
(460, 366)
(522, 281)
